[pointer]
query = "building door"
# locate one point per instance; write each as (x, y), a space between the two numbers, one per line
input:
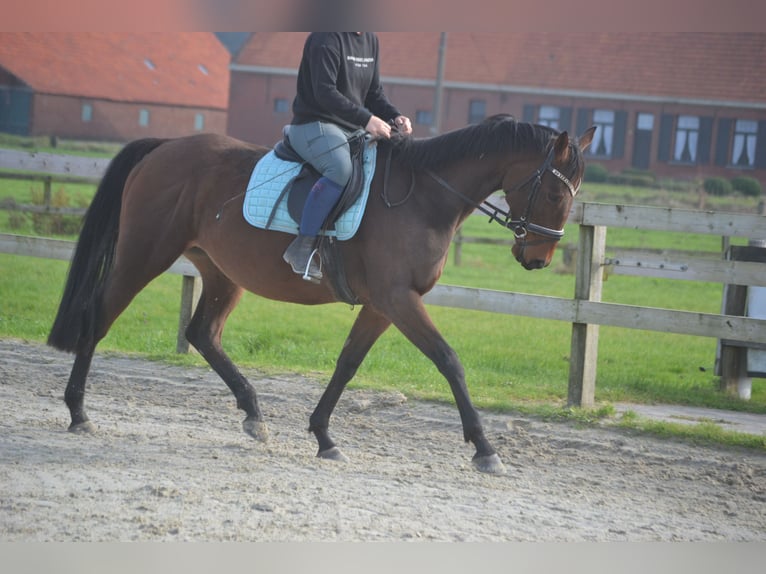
(642, 140)
(15, 108)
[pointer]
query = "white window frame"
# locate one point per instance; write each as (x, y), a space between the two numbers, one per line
(743, 143)
(199, 122)
(645, 121)
(424, 117)
(477, 116)
(86, 115)
(687, 139)
(281, 105)
(603, 139)
(144, 117)
(549, 116)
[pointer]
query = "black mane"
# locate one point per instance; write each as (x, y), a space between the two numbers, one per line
(495, 134)
(499, 133)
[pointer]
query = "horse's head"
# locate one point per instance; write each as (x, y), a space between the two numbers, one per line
(540, 204)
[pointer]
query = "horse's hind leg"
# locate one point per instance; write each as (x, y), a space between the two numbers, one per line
(369, 325)
(218, 299)
(74, 396)
(124, 283)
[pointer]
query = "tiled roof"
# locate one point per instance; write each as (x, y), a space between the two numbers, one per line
(273, 49)
(186, 69)
(704, 66)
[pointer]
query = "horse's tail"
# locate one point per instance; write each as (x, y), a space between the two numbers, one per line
(74, 329)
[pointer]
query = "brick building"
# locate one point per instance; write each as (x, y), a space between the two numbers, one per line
(682, 105)
(112, 86)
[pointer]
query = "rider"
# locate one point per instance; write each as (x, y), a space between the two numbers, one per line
(338, 93)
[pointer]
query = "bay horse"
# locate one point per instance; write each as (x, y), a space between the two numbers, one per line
(161, 198)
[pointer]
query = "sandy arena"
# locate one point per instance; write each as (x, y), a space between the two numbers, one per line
(170, 462)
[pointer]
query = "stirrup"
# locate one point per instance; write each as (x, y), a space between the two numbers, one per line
(300, 255)
(312, 278)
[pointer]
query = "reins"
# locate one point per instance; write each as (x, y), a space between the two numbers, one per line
(522, 226)
(384, 191)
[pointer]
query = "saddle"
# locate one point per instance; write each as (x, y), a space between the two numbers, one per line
(297, 189)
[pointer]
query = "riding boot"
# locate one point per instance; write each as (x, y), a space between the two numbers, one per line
(300, 255)
(323, 196)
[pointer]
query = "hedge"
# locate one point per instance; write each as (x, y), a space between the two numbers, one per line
(717, 186)
(746, 186)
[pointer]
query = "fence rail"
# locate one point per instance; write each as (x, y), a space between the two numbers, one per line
(585, 311)
(53, 164)
(48, 167)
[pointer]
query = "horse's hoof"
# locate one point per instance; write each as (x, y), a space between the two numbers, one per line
(256, 429)
(85, 427)
(333, 453)
(490, 464)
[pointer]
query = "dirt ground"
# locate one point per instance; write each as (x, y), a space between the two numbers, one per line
(170, 462)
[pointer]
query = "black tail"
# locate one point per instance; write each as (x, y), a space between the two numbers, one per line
(74, 328)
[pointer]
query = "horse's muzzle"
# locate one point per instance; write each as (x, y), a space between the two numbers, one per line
(531, 264)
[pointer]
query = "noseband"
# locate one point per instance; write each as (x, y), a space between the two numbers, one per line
(521, 226)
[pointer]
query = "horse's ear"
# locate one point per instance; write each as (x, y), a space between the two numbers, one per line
(587, 137)
(561, 147)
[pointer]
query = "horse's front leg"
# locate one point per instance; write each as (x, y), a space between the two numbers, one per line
(369, 325)
(410, 317)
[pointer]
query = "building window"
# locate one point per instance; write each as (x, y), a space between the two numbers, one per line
(477, 111)
(143, 117)
(199, 122)
(424, 117)
(549, 116)
(281, 105)
(743, 148)
(687, 136)
(645, 122)
(87, 112)
(603, 139)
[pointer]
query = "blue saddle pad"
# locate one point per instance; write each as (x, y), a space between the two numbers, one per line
(269, 178)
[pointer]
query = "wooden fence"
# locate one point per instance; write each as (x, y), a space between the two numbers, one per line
(585, 311)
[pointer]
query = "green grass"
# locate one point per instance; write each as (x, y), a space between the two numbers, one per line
(703, 433)
(71, 147)
(20, 192)
(689, 199)
(510, 361)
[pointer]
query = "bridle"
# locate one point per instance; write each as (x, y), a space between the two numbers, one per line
(522, 226)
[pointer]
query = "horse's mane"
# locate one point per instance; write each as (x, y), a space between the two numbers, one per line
(499, 133)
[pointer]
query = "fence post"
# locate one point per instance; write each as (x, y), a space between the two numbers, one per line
(191, 289)
(583, 355)
(732, 363)
(732, 360)
(47, 185)
(458, 243)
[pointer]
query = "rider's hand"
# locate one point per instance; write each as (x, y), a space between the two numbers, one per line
(377, 128)
(403, 124)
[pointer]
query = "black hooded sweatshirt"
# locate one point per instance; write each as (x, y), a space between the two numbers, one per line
(339, 81)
